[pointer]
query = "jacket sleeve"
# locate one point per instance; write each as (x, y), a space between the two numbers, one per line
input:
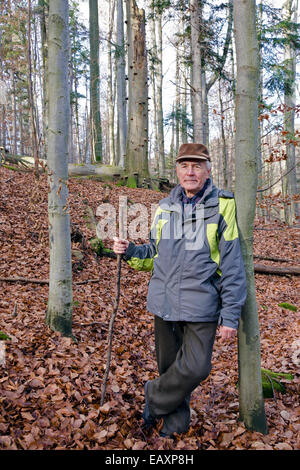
(233, 278)
(140, 257)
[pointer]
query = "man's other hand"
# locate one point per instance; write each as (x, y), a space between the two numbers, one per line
(120, 246)
(225, 332)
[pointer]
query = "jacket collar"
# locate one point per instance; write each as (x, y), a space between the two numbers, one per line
(174, 201)
(175, 195)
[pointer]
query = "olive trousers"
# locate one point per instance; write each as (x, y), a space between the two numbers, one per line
(183, 353)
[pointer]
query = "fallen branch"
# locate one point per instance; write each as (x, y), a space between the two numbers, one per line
(277, 260)
(93, 323)
(277, 270)
(258, 268)
(41, 281)
(23, 279)
(277, 228)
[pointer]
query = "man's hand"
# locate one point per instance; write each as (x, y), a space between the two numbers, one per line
(120, 246)
(225, 332)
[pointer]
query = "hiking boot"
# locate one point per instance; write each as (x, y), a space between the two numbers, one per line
(149, 420)
(167, 436)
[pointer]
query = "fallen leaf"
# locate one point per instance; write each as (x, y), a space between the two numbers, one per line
(283, 446)
(139, 445)
(100, 437)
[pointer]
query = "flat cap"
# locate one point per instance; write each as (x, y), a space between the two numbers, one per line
(195, 151)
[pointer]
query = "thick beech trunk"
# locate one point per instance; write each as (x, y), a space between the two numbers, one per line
(59, 313)
(137, 138)
(251, 399)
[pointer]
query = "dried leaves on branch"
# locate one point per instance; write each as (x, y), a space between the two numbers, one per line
(50, 387)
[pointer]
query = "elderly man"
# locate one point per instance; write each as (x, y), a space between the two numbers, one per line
(198, 283)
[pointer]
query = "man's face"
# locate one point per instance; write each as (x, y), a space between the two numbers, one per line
(192, 175)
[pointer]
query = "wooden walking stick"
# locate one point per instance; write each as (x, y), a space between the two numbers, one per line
(116, 305)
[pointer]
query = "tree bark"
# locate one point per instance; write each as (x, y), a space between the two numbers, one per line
(34, 137)
(223, 139)
(290, 8)
(59, 312)
(110, 91)
(153, 74)
(160, 115)
(14, 112)
(251, 399)
(137, 138)
(121, 85)
(44, 11)
(198, 103)
(178, 106)
(96, 131)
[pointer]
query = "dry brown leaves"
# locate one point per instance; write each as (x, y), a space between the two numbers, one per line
(50, 386)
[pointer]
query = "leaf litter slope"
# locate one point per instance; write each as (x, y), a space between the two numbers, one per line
(50, 386)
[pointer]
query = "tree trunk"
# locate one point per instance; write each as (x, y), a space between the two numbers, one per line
(59, 313)
(198, 105)
(137, 138)
(110, 91)
(14, 112)
(96, 131)
(224, 147)
(153, 75)
(34, 136)
(44, 11)
(160, 115)
(76, 116)
(121, 85)
(178, 136)
(71, 152)
(184, 112)
(290, 14)
(251, 399)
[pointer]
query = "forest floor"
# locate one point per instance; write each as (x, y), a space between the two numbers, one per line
(50, 386)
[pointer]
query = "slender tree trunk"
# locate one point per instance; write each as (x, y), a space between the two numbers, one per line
(184, 113)
(14, 110)
(172, 147)
(76, 117)
(121, 84)
(160, 116)
(261, 122)
(198, 105)
(34, 136)
(110, 95)
(251, 399)
(36, 80)
(59, 313)
(137, 138)
(224, 147)
(44, 11)
(177, 104)
(96, 131)
(153, 74)
(290, 14)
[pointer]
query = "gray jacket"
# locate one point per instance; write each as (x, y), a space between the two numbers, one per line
(195, 258)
